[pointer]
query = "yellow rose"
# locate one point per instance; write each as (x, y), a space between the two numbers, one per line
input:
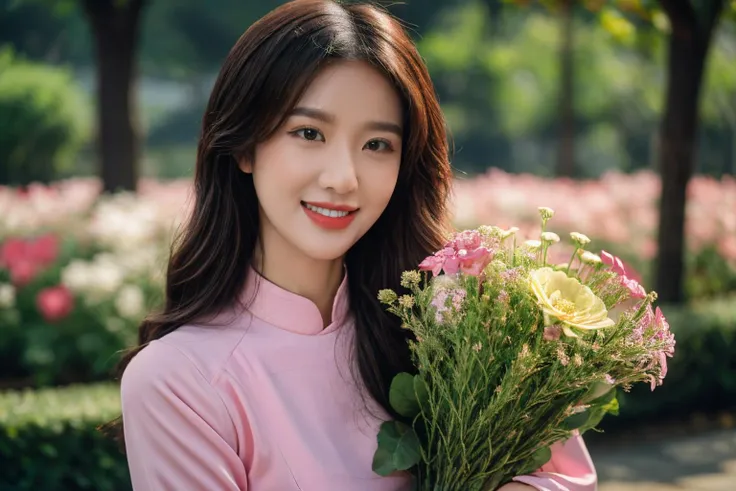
(569, 301)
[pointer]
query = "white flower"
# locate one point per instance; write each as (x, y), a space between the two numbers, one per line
(546, 213)
(550, 237)
(7, 296)
(579, 239)
(77, 276)
(589, 257)
(96, 280)
(130, 302)
(533, 244)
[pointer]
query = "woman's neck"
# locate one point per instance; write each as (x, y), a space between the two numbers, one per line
(313, 279)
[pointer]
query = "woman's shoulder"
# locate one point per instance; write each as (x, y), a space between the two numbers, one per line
(169, 376)
(192, 351)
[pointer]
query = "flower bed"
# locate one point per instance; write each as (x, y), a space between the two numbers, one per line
(78, 271)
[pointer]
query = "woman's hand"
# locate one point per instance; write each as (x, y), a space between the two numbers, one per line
(516, 486)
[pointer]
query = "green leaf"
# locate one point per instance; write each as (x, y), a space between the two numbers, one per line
(612, 407)
(576, 420)
(421, 391)
(540, 457)
(398, 448)
(605, 398)
(402, 395)
(597, 414)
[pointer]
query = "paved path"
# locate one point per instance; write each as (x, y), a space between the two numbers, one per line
(703, 462)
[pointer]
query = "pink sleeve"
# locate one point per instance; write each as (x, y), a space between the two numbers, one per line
(178, 433)
(569, 469)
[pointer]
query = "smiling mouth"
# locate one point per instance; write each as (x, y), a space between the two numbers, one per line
(335, 217)
(327, 212)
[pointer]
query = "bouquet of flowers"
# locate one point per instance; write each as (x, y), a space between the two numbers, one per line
(512, 355)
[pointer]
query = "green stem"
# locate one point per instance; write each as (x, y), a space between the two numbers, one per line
(572, 259)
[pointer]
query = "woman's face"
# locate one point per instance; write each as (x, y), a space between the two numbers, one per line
(325, 176)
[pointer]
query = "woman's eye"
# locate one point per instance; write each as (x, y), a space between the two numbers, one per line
(309, 134)
(378, 146)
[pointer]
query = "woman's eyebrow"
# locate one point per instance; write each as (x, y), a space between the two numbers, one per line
(326, 117)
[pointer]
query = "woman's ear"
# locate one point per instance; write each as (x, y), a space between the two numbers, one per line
(245, 164)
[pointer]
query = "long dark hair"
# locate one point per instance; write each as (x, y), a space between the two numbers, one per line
(261, 80)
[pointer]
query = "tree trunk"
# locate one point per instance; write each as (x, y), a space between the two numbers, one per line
(115, 28)
(687, 51)
(566, 148)
(495, 9)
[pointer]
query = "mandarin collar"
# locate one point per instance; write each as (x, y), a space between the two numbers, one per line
(290, 311)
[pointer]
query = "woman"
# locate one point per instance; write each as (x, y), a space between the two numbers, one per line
(322, 173)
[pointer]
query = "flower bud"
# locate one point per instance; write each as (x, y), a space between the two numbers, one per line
(589, 257)
(579, 239)
(410, 279)
(546, 213)
(387, 296)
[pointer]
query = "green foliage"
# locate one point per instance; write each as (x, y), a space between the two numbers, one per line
(49, 440)
(44, 121)
(408, 394)
(399, 448)
(81, 347)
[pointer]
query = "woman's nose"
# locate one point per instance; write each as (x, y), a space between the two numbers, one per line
(339, 172)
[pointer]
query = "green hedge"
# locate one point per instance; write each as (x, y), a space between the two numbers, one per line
(49, 441)
(45, 119)
(48, 438)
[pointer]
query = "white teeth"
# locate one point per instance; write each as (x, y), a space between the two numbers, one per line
(326, 212)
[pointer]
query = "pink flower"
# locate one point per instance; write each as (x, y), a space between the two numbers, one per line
(463, 253)
(24, 259)
(468, 240)
(44, 249)
(617, 266)
(654, 331)
(474, 262)
(552, 333)
(434, 263)
(637, 291)
(22, 272)
(12, 251)
(55, 303)
(439, 302)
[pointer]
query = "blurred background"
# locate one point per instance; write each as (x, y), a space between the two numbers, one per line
(620, 115)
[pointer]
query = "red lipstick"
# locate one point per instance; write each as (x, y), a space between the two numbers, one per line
(328, 215)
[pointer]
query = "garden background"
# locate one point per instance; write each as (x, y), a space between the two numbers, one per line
(618, 114)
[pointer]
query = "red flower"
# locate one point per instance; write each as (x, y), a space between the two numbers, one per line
(25, 258)
(44, 249)
(55, 303)
(22, 272)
